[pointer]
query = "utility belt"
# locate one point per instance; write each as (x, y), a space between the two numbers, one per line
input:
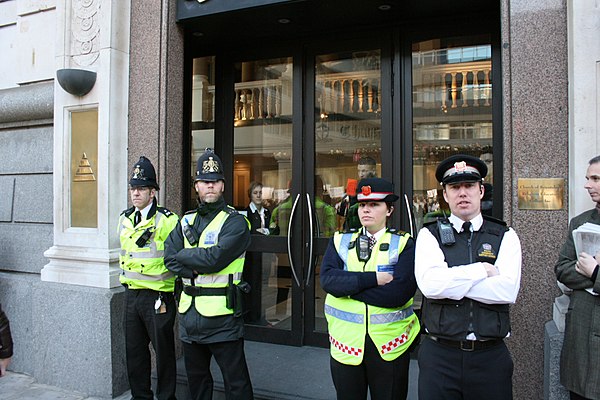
(205, 291)
(233, 293)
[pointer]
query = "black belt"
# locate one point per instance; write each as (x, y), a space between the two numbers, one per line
(467, 345)
(204, 291)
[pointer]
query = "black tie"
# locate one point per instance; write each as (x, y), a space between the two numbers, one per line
(466, 227)
(138, 218)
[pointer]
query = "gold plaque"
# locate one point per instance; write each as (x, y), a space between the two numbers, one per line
(541, 193)
(84, 168)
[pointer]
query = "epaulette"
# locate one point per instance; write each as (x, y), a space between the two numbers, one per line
(349, 230)
(128, 212)
(497, 226)
(395, 231)
(230, 210)
(492, 219)
(164, 211)
(190, 212)
(431, 222)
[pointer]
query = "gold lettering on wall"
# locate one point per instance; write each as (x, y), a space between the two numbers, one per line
(541, 193)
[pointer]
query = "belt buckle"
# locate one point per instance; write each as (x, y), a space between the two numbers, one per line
(467, 345)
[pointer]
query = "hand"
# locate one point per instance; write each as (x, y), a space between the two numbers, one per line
(490, 269)
(384, 278)
(586, 264)
(3, 365)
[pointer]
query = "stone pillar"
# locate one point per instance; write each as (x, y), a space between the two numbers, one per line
(94, 36)
(80, 298)
(584, 86)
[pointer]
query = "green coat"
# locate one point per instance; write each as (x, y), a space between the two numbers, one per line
(580, 358)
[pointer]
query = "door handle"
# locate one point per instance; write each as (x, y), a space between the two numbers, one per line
(311, 235)
(289, 240)
(410, 215)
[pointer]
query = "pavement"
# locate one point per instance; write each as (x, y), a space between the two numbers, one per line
(274, 376)
(14, 386)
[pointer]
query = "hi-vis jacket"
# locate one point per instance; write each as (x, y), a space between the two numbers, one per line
(213, 304)
(142, 264)
(392, 329)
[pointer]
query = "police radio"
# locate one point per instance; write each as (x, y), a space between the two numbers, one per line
(363, 248)
(446, 232)
(189, 233)
(142, 240)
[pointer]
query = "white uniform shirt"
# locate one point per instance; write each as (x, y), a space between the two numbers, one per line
(144, 212)
(437, 281)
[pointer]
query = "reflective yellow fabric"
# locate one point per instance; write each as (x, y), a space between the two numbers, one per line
(144, 267)
(210, 306)
(391, 329)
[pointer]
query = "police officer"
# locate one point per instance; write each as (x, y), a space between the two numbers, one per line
(369, 277)
(468, 267)
(149, 301)
(207, 249)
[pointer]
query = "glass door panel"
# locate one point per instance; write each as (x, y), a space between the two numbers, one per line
(262, 147)
(203, 112)
(452, 113)
(347, 147)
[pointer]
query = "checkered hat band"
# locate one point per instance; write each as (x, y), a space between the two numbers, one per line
(398, 341)
(375, 196)
(353, 351)
(467, 169)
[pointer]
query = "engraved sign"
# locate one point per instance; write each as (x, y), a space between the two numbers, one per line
(541, 193)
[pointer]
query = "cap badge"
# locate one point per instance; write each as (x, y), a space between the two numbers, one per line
(209, 166)
(138, 173)
(366, 190)
(460, 166)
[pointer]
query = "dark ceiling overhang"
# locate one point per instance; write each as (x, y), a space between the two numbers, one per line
(227, 21)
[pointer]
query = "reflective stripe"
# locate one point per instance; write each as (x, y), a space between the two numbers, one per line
(143, 277)
(397, 341)
(350, 350)
(394, 316)
(344, 315)
(145, 254)
(213, 278)
(343, 250)
(393, 250)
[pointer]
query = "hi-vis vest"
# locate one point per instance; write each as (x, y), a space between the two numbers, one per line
(210, 306)
(392, 330)
(144, 267)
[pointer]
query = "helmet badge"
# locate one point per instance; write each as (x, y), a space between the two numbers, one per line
(210, 165)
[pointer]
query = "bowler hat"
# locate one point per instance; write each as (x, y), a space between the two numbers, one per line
(461, 168)
(376, 189)
(143, 174)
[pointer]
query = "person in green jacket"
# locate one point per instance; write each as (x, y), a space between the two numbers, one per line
(149, 301)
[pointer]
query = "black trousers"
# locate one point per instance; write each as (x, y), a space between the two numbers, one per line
(453, 374)
(231, 360)
(142, 327)
(386, 380)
